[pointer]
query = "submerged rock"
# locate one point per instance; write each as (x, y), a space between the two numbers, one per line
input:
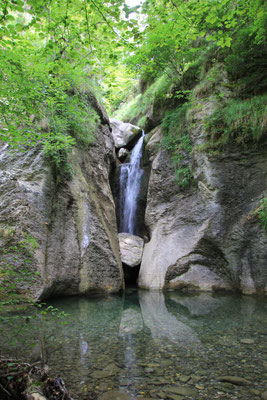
(180, 390)
(115, 395)
(109, 370)
(131, 248)
(235, 380)
(247, 341)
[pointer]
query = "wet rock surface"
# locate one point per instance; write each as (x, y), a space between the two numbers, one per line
(114, 395)
(123, 154)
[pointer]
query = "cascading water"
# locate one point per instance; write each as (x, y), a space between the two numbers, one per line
(130, 183)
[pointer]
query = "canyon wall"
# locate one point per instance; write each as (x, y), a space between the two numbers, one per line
(206, 237)
(72, 224)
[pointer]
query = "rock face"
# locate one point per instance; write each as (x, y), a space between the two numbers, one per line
(73, 223)
(124, 133)
(131, 248)
(123, 153)
(153, 140)
(207, 237)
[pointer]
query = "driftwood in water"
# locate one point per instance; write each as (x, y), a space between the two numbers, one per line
(20, 380)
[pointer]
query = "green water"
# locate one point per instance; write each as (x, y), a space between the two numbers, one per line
(149, 344)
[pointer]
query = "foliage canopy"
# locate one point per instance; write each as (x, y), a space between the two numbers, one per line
(49, 48)
(51, 55)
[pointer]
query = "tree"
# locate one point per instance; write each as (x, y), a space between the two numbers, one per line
(177, 31)
(49, 50)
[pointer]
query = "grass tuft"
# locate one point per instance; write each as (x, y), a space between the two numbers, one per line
(238, 122)
(261, 213)
(176, 140)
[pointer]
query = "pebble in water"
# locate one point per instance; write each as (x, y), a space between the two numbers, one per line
(115, 395)
(235, 380)
(247, 341)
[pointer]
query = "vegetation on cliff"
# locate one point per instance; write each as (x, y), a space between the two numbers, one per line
(192, 53)
(53, 54)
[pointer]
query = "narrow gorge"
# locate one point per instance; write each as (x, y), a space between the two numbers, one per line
(202, 238)
(133, 200)
(196, 242)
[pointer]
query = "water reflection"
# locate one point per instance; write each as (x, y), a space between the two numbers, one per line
(164, 326)
(197, 305)
(131, 322)
(143, 340)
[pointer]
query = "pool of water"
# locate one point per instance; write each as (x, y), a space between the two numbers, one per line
(151, 345)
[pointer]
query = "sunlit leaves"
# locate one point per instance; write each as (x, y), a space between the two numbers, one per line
(43, 42)
(176, 28)
(45, 47)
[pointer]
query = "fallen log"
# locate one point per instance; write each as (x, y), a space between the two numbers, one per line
(19, 380)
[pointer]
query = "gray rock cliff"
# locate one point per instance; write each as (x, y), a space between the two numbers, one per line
(73, 223)
(206, 237)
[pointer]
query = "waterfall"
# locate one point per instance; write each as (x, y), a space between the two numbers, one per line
(130, 183)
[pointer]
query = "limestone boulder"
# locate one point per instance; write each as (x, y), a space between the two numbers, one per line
(131, 248)
(124, 134)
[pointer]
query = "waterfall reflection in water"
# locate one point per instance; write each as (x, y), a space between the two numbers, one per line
(145, 342)
(130, 182)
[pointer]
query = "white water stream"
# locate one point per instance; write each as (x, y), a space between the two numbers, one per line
(130, 183)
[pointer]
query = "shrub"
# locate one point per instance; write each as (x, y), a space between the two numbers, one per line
(246, 64)
(239, 122)
(176, 140)
(261, 213)
(16, 268)
(70, 120)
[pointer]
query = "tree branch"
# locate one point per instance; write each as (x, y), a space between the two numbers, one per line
(87, 23)
(107, 22)
(179, 12)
